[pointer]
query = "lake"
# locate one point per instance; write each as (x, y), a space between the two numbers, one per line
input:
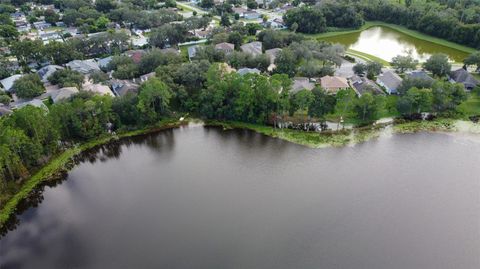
(198, 197)
(386, 43)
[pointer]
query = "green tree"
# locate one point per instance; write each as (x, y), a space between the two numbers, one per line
(415, 101)
(373, 69)
(8, 32)
(225, 20)
(286, 63)
(404, 63)
(322, 103)
(366, 107)
(473, 59)
(28, 86)
(67, 78)
(303, 99)
(438, 64)
(153, 99)
(51, 16)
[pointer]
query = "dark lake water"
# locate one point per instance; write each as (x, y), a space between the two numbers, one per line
(200, 197)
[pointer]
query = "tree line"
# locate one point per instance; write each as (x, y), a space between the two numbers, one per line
(456, 21)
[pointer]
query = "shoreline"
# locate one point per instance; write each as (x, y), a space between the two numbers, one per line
(341, 138)
(61, 162)
(353, 136)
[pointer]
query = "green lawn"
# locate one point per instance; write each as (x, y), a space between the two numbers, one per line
(471, 107)
(367, 57)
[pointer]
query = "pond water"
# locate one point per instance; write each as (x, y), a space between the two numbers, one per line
(200, 197)
(386, 43)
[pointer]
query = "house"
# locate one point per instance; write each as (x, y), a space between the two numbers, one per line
(390, 81)
(251, 15)
(40, 25)
(7, 83)
(333, 84)
(192, 51)
(135, 55)
(97, 88)
(272, 54)
(83, 66)
(227, 48)
(277, 23)
(123, 87)
(252, 48)
(170, 50)
(146, 77)
(34, 102)
(363, 85)
(244, 71)
(462, 76)
(4, 110)
(302, 83)
(63, 94)
(419, 74)
(103, 62)
(46, 71)
(49, 36)
(239, 10)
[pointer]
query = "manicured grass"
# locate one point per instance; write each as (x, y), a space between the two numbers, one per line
(367, 57)
(61, 162)
(401, 29)
(471, 107)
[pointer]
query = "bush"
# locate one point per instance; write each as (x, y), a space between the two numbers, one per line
(28, 86)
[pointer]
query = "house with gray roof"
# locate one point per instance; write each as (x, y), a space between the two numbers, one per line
(63, 94)
(244, 71)
(462, 76)
(363, 85)
(103, 62)
(123, 87)
(272, 54)
(7, 83)
(302, 83)
(419, 74)
(252, 48)
(46, 71)
(83, 66)
(35, 102)
(4, 110)
(227, 48)
(390, 81)
(192, 51)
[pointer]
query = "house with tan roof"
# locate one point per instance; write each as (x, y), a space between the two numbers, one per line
(333, 84)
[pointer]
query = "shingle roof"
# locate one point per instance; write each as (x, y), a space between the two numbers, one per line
(8, 82)
(83, 66)
(390, 80)
(333, 84)
(63, 94)
(419, 75)
(244, 71)
(462, 76)
(253, 48)
(301, 83)
(46, 71)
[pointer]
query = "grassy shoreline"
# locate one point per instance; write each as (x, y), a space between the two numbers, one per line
(61, 162)
(348, 137)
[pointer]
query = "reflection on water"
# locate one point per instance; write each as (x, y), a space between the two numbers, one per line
(387, 43)
(199, 197)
